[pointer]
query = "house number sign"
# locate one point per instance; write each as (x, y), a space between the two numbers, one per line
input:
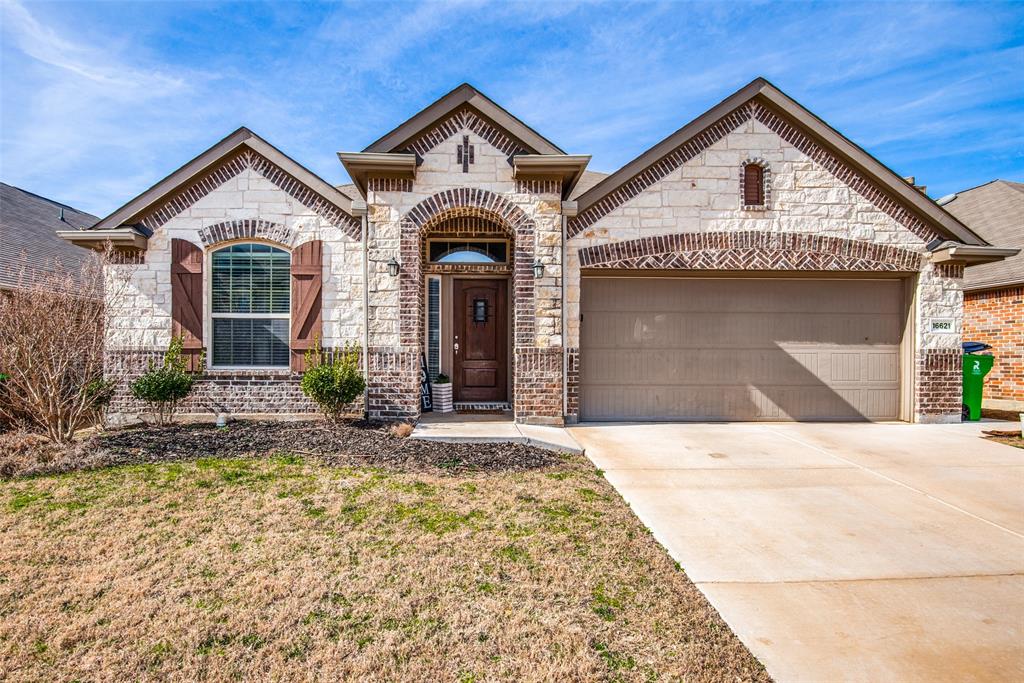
(942, 325)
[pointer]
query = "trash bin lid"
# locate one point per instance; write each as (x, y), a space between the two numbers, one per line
(975, 347)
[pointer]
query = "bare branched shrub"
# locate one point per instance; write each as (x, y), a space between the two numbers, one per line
(51, 346)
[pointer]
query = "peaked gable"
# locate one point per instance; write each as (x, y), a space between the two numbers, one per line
(241, 150)
(464, 108)
(764, 102)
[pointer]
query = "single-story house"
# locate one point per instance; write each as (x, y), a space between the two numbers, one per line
(753, 265)
(28, 236)
(994, 292)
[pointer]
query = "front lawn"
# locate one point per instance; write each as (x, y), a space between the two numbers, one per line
(288, 568)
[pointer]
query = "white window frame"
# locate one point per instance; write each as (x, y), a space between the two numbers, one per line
(440, 321)
(211, 316)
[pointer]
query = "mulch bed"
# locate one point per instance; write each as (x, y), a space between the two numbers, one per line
(346, 443)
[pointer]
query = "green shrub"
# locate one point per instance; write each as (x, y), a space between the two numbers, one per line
(164, 386)
(334, 383)
(442, 379)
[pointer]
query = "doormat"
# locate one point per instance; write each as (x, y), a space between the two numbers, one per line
(482, 408)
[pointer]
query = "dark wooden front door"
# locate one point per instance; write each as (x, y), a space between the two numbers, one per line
(481, 340)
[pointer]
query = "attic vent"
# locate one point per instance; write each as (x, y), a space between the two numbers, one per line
(754, 184)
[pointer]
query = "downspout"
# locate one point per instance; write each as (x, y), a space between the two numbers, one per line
(359, 208)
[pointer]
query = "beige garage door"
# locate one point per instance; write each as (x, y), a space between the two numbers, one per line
(740, 349)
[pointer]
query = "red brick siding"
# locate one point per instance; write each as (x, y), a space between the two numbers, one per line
(997, 317)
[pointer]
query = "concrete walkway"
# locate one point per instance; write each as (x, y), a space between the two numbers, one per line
(457, 428)
(840, 552)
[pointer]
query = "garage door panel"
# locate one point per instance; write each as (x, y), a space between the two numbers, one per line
(740, 349)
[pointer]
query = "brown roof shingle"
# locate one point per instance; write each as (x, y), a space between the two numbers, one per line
(29, 225)
(995, 211)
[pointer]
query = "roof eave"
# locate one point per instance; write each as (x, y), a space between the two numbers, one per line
(363, 165)
(204, 162)
(971, 254)
(97, 240)
(567, 168)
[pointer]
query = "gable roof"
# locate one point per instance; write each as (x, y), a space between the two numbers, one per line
(995, 211)
(29, 225)
(765, 94)
(464, 96)
(130, 213)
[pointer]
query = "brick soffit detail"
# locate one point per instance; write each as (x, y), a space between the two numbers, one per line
(465, 119)
(727, 124)
(750, 250)
(249, 159)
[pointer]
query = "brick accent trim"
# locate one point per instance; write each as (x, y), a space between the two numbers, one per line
(234, 165)
(539, 187)
(389, 185)
(725, 125)
(572, 384)
(950, 270)
(247, 229)
(538, 385)
(659, 169)
(466, 119)
(939, 384)
(750, 250)
(856, 181)
(442, 208)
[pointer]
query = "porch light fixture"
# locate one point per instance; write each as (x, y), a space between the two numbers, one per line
(393, 267)
(538, 269)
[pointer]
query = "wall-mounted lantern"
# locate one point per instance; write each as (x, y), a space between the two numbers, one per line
(393, 267)
(538, 269)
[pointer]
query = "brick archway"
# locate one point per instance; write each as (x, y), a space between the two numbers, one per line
(466, 202)
(248, 229)
(750, 250)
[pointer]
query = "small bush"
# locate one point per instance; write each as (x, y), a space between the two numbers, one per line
(443, 379)
(335, 384)
(163, 387)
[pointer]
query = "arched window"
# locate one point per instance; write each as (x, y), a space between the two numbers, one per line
(753, 184)
(250, 296)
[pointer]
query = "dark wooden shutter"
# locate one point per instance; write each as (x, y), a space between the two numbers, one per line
(307, 300)
(187, 299)
(753, 185)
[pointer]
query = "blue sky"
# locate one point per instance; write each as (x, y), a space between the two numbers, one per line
(102, 99)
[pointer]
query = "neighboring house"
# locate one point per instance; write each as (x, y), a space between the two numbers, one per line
(994, 292)
(754, 265)
(28, 235)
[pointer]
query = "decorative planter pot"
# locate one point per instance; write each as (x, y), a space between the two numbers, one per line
(442, 394)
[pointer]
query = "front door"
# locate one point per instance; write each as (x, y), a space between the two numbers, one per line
(480, 347)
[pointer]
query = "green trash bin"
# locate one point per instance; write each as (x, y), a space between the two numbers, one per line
(975, 369)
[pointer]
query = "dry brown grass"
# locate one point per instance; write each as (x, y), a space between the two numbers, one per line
(284, 569)
(402, 429)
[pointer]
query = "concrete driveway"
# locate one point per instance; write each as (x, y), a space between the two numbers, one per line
(853, 552)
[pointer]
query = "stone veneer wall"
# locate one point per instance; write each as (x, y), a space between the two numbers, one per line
(401, 210)
(696, 191)
(245, 197)
(996, 317)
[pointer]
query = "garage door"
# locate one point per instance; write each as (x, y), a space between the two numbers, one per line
(740, 349)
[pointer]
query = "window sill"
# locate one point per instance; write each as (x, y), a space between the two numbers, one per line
(755, 207)
(272, 372)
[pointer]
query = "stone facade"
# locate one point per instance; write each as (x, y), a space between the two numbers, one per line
(685, 212)
(996, 317)
(243, 198)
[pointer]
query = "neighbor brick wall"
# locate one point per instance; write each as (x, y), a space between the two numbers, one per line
(996, 317)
